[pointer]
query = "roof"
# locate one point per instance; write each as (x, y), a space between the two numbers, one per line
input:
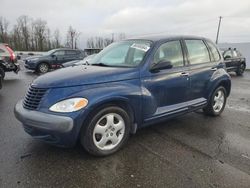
(156, 38)
(65, 49)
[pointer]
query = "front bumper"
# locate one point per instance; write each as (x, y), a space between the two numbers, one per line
(53, 129)
(29, 65)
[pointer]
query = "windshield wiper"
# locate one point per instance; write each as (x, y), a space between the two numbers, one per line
(86, 63)
(100, 64)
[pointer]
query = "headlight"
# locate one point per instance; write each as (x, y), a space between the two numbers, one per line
(69, 105)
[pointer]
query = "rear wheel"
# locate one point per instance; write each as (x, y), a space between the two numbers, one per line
(106, 132)
(240, 69)
(217, 102)
(43, 68)
(2, 73)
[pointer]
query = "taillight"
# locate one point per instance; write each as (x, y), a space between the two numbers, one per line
(12, 54)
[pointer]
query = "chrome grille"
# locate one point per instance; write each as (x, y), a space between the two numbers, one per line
(33, 98)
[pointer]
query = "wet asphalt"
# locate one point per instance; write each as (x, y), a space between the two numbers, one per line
(189, 151)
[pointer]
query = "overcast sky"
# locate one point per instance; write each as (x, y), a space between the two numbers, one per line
(138, 17)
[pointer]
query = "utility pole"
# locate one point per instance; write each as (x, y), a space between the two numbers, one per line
(218, 30)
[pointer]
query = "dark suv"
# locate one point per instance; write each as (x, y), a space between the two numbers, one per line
(234, 61)
(8, 61)
(129, 85)
(52, 59)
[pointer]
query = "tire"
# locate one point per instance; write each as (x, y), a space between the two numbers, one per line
(240, 69)
(216, 105)
(2, 73)
(102, 137)
(43, 68)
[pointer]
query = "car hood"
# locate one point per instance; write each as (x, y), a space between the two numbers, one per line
(84, 75)
(70, 63)
(33, 57)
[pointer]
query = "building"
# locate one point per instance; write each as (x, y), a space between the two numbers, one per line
(90, 51)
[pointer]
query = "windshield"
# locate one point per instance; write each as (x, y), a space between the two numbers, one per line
(122, 54)
(86, 60)
(49, 52)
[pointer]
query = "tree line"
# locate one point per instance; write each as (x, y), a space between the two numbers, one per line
(29, 34)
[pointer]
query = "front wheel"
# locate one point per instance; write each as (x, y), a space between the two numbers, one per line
(43, 68)
(241, 69)
(217, 102)
(106, 132)
(2, 73)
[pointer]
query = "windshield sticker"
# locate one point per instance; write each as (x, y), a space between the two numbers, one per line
(143, 47)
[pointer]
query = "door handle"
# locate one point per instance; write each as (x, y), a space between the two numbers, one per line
(214, 68)
(184, 74)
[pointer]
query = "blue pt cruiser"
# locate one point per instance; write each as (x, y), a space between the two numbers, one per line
(129, 85)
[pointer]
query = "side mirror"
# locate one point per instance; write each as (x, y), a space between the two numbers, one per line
(162, 65)
(53, 55)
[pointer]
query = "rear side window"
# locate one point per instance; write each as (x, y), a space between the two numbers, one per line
(170, 51)
(59, 53)
(197, 51)
(214, 51)
(72, 52)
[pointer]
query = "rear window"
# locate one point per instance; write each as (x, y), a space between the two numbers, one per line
(227, 54)
(197, 51)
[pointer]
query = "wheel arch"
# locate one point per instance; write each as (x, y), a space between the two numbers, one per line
(40, 62)
(120, 102)
(226, 83)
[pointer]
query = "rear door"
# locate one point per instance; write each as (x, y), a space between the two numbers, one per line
(202, 66)
(71, 55)
(228, 59)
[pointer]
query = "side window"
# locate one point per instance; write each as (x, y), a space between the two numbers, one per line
(214, 51)
(227, 54)
(60, 53)
(138, 55)
(71, 52)
(170, 51)
(234, 53)
(1, 51)
(239, 54)
(197, 51)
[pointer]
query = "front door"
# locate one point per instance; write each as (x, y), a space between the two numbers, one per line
(165, 91)
(59, 58)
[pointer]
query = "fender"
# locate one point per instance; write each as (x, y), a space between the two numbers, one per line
(125, 93)
(220, 77)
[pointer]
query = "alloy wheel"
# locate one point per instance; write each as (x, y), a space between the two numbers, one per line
(219, 100)
(109, 131)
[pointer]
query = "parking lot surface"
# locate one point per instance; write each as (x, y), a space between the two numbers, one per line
(190, 151)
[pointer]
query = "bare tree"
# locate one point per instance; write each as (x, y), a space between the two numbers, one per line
(98, 42)
(23, 25)
(72, 38)
(57, 38)
(121, 36)
(4, 30)
(40, 34)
